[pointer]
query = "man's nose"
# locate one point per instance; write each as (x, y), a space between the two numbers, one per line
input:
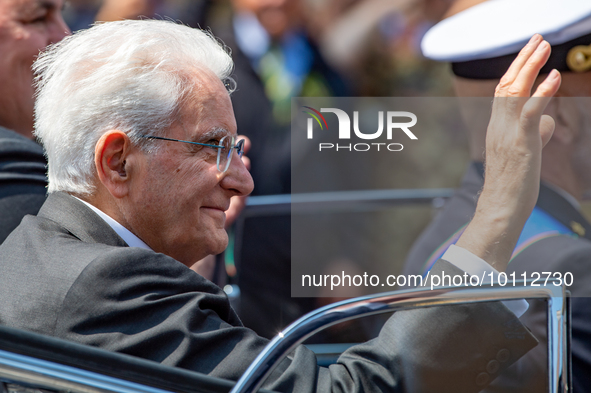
(237, 178)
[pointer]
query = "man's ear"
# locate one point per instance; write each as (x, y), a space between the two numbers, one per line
(110, 158)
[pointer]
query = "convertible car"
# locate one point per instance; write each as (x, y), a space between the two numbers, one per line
(31, 363)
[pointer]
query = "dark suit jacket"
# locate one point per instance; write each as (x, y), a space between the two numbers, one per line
(66, 273)
(22, 179)
(553, 254)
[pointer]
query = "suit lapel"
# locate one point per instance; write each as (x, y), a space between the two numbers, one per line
(79, 220)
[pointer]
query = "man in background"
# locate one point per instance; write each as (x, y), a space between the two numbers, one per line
(556, 237)
(26, 27)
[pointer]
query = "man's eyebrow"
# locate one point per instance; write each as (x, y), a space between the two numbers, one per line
(41, 5)
(216, 133)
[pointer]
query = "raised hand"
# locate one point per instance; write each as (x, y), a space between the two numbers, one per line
(516, 134)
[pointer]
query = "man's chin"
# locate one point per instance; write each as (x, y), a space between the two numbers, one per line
(213, 242)
(220, 243)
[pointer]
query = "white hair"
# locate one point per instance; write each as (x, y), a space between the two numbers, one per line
(127, 75)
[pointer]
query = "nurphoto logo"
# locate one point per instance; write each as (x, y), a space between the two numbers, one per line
(395, 121)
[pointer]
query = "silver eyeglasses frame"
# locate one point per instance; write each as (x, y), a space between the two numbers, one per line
(221, 160)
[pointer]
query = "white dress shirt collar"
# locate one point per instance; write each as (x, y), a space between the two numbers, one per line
(125, 234)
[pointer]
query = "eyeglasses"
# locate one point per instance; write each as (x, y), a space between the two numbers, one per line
(225, 149)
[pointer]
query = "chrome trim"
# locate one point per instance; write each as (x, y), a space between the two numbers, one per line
(50, 375)
(365, 200)
(44, 374)
(330, 315)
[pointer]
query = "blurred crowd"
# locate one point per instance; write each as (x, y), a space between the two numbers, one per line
(372, 44)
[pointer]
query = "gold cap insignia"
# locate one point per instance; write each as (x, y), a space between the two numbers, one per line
(578, 58)
(577, 228)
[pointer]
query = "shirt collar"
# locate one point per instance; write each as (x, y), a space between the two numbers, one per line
(125, 234)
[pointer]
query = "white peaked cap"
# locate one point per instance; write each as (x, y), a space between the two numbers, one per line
(501, 27)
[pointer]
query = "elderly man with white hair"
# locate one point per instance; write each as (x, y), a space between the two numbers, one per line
(143, 158)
